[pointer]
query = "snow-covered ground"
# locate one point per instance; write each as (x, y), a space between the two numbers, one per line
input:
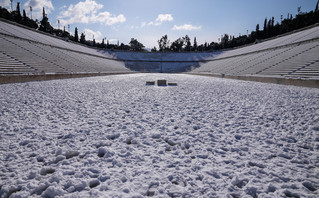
(115, 136)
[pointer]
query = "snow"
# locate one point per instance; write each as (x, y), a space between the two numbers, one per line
(115, 136)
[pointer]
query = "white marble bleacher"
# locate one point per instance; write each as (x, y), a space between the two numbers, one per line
(249, 67)
(293, 60)
(57, 57)
(308, 34)
(93, 64)
(270, 64)
(309, 62)
(237, 64)
(243, 63)
(219, 66)
(311, 70)
(9, 65)
(294, 55)
(34, 35)
(277, 42)
(22, 51)
(46, 54)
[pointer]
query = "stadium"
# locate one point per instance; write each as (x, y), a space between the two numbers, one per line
(78, 121)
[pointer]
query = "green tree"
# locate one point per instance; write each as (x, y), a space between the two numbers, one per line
(24, 15)
(206, 46)
(187, 43)
(257, 31)
(317, 6)
(76, 36)
(299, 10)
(122, 47)
(19, 18)
(16, 15)
(135, 45)
(177, 45)
(4, 13)
(82, 38)
(65, 34)
(270, 27)
(265, 28)
(163, 43)
(103, 43)
(45, 25)
(225, 40)
(195, 46)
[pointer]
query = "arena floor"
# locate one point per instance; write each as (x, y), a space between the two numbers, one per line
(115, 136)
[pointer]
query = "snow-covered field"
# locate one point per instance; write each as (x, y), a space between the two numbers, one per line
(115, 136)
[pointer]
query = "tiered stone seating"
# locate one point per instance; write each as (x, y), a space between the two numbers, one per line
(291, 56)
(28, 54)
(273, 43)
(9, 65)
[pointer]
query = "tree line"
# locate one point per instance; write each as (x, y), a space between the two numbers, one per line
(184, 44)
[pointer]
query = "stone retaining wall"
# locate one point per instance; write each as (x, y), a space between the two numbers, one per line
(267, 79)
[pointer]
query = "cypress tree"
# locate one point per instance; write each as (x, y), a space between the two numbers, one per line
(43, 13)
(76, 36)
(265, 28)
(44, 22)
(24, 15)
(188, 45)
(18, 7)
(257, 31)
(18, 17)
(195, 44)
(82, 39)
(103, 43)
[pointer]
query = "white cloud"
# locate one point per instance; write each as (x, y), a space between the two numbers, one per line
(37, 7)
(90, 33)
(160, 19)
(87, 12)
(187, 27)
(164, 17)
(108, 19)
(6, 4)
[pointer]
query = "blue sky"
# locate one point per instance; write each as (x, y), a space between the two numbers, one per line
(149, 20)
